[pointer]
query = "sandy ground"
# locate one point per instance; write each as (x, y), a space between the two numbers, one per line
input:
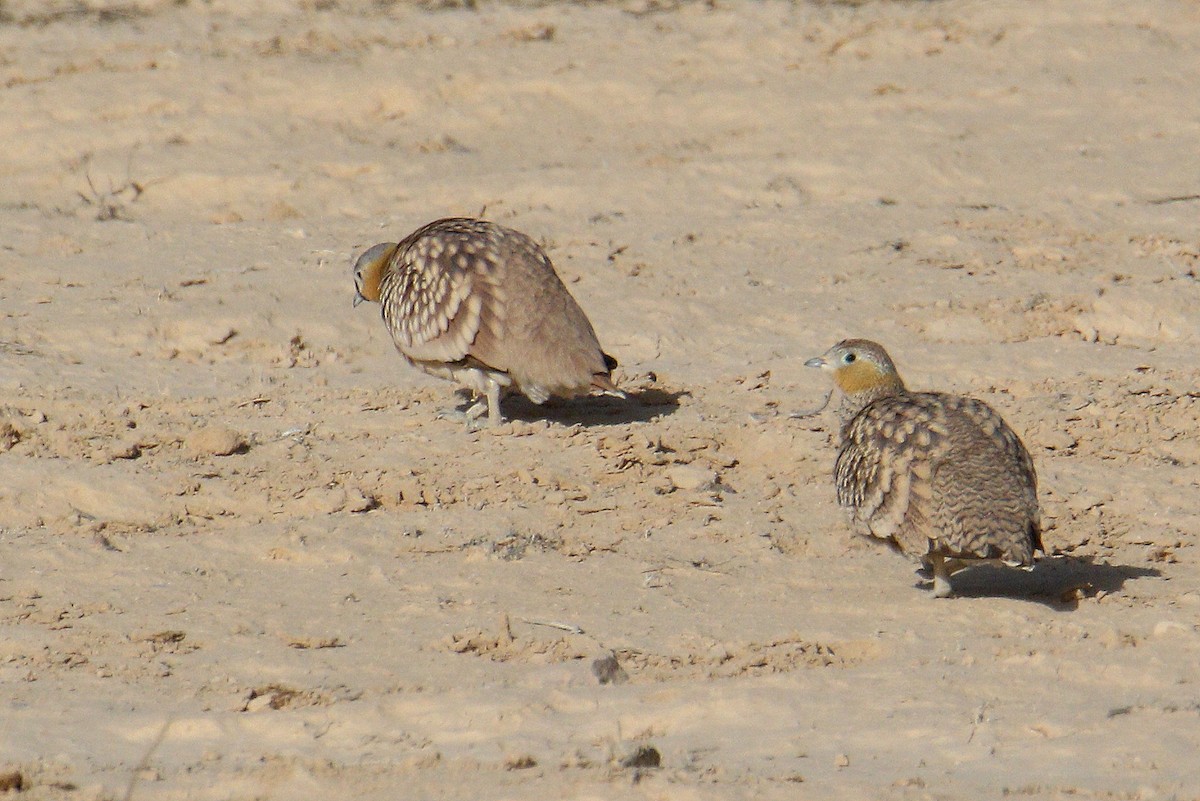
(241, 556)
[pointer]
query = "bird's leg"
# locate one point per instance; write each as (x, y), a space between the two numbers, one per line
(470, 416)
(493, 403)
(941, 576)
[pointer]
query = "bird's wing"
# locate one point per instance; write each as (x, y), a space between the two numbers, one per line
(440, 296)
(885, 469)
(985, 487)
(996, 429)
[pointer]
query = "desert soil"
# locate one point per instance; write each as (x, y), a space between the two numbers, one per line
(242, 556)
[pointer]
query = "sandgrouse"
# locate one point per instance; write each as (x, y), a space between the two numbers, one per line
(940, 477)
(480, 304)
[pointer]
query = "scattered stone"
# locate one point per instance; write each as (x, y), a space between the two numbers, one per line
(359, 501)
(161, 638)
(842, 760)
(216, 440)
(1165, 628)
(608, 670)
(10, 435)
(691, 477)
(274, 696)
(1077, 593)
(321, 501)
(128, 449)
(644, 756)
(12, 781)
(258, 703)
(305, 643)
(520, 762)
(1163, 553)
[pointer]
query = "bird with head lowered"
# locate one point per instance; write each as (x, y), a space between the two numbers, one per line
(481, 305)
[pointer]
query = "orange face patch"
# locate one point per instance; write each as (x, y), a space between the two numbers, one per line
(369, 269)
(862, 375)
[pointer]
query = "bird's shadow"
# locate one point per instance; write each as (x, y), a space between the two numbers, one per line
(1058, 582)
(638, 406)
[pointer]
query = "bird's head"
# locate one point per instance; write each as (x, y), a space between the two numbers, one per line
(861, 369)
(368, 271)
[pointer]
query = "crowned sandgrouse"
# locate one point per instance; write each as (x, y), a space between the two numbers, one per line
(940, 477)
(480, 304)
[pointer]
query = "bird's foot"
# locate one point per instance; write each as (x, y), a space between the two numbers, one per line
(942, 588)
(941, 568)
(473, 418)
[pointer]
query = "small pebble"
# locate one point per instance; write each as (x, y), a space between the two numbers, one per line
(1165, 628)
(690, 477)
(12, 781)
(215, 440)
(608, 670)
(644, 756)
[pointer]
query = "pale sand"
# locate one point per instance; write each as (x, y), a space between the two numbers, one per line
(353, 603)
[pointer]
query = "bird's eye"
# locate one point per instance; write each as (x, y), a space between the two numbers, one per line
(849, 358)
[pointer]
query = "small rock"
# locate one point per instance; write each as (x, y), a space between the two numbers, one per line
(12, 781)
(609, 671)
(1163, 553)
(10, 435)
(644, 756)
(127, 449)
(691, 477)
(1165, 628)
(322, 500)
(216, 440)
(258, 703)
(359, 501)
(842, 760)
(519, 762)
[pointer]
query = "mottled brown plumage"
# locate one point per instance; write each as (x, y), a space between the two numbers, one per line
(941, 477)
(481, 305)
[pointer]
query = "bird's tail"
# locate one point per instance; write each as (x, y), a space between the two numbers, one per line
(603, 381)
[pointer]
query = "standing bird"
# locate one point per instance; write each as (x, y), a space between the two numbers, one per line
(942, 478)
(480, 304)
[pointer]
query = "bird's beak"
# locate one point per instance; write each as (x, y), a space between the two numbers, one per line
(358, 298)
(817, 361)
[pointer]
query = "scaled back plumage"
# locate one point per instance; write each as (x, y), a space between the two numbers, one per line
(481, 304)
(942, 478)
